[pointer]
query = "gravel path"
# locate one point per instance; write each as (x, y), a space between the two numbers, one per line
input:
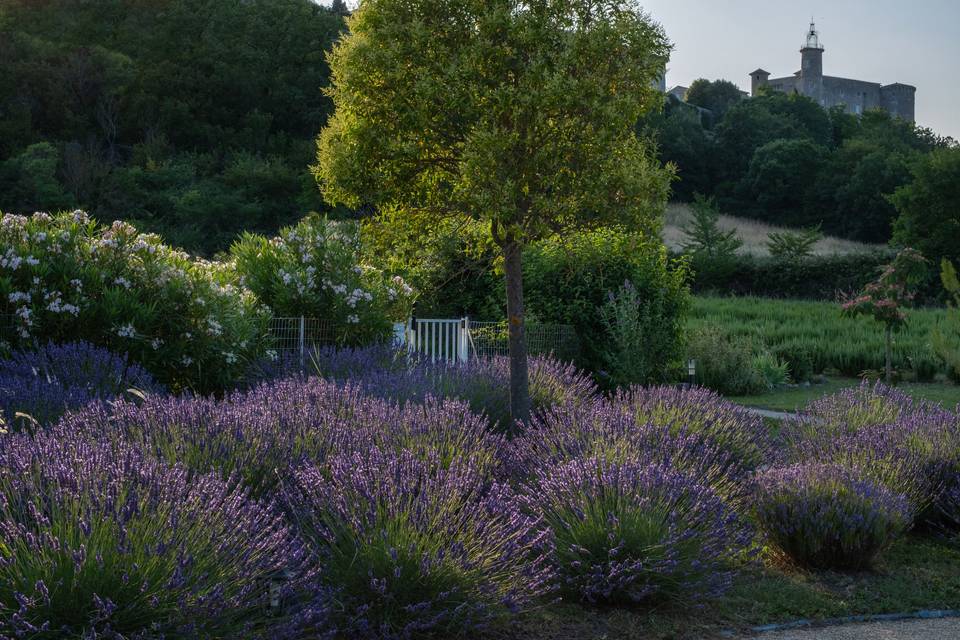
(939, 629)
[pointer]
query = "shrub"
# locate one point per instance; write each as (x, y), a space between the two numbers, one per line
(45, 383)
(315, 269)
(631, 532)
(793, 245)
(773, 371)
(568, 281)
(725, 363)
(689, 429)
(413, 550)
(482, 382)
(826, 516)
(257, 437)
(67, 278)
(99, 540)
(949, 516)
(909, 447)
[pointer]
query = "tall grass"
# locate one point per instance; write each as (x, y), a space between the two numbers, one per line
(813, 334)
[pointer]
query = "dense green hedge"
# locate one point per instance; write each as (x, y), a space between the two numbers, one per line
(814, 278)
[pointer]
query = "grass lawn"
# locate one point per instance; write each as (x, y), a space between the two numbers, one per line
(917, 573)
(794, 399)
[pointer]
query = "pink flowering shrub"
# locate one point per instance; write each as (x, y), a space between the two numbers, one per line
(315, 269)
(886, 298)
(65, 278)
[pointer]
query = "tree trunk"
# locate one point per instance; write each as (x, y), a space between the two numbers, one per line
(888, 368)
(519, 383)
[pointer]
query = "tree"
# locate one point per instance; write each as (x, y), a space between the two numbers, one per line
(946, 338)
(516, 113)
(929, 206)
(778, 179)
(885, 299)
(717, 96)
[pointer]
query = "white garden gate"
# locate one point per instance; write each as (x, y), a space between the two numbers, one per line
(439, 339)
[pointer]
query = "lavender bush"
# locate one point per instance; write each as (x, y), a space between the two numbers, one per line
(635, 531)
(257, 436)
(829, 516)
(483, 382)
(911, 447)
(416, 549)
(693, 430)
(100, 540)
(46, 382)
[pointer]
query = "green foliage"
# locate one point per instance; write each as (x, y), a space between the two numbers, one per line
(683, 142)
(193, 118)
(67, 278)
(929, 206)
(885, 298)
(315, 269)
(793, 245)
(773, 371)
(716, 96)
(704, 234)
(775, 185)
(570, 281)
(724, 362)
(946, 338)
(812, 335)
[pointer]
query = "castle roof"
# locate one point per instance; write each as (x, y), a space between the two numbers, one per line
(753, 73)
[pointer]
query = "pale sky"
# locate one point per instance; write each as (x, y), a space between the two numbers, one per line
(915, 42)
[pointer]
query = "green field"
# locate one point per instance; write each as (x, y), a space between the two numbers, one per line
(813, 335)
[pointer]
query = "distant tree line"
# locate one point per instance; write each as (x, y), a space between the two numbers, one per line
(193, 118)
(783, 159)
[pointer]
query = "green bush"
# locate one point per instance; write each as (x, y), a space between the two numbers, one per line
(570, 280)
(66, 278)
(314, 269)
(724, 363)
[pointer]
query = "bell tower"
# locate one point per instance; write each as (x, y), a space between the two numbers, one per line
(811, 65)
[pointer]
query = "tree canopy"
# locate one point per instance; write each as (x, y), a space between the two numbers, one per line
(519, 114)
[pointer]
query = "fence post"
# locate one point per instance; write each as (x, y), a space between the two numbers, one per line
(302, 341)
(463, 354)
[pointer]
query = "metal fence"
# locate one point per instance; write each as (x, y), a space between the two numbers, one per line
(491, 339)
(438, 339)
(8, 327)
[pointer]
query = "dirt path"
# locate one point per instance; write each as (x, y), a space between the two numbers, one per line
(937, 629)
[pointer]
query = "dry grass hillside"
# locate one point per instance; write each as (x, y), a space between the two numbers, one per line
(752, 232)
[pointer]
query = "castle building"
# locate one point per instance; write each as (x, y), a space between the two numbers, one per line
(855, 95)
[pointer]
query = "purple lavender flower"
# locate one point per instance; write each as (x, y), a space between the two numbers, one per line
(482, 382)
(100, 539)
(635, 531)
(50, 380)
(693, 430)
(414, 547)
(257, 436)
(828, 516)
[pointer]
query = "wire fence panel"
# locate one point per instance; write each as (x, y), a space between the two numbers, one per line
(491, 339)
(8, 327)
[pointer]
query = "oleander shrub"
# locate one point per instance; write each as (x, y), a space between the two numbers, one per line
(630, 532)
(66, 278)
(690, 429)
(415, 549)
(316, 269)
(827, 516)
(256, 437)
(101, 540)
(44, 383)
(482, 382)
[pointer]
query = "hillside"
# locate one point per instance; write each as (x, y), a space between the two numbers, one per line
(752, 232)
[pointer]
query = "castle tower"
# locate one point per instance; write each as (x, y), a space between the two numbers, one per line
(811, 65)
(758, 79)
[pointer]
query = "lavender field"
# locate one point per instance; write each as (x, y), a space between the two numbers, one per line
(391, 498)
